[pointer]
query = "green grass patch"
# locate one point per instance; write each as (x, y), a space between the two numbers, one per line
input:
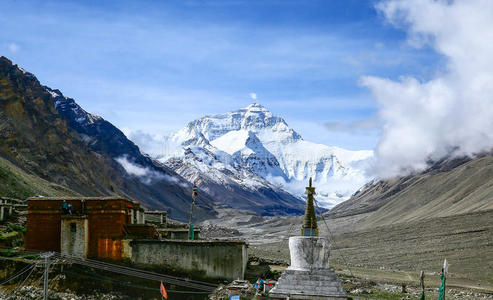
(7, 253)
(8, 235)
(16, 228)
(31, 256)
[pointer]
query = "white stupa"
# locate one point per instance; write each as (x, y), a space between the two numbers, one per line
(309, 275)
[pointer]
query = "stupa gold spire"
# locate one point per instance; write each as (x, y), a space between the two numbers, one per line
(310, 221)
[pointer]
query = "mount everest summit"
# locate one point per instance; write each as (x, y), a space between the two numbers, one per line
(259, 158)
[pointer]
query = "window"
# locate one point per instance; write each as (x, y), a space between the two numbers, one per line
(73, 227)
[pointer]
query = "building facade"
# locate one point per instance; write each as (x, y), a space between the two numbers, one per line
(8, 206)
(116, 228)
(84, 226)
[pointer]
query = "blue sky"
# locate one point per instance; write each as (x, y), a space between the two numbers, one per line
(155, 65)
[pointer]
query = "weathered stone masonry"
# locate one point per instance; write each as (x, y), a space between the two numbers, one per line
(211, 259)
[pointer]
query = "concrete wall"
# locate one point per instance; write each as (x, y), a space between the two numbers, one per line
(210, 259)
(74, 236)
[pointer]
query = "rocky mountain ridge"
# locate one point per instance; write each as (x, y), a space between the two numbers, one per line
(449, 187)
(48, 135)
(261, 145)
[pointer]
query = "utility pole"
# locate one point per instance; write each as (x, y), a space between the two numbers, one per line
(46, 256)
(190, 224)
(422, 279)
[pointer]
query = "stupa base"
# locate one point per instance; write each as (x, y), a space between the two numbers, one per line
(306, 284)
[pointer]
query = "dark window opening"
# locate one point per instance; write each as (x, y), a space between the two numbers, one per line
(73, 227)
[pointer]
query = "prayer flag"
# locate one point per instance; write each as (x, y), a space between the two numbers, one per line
(163, 291)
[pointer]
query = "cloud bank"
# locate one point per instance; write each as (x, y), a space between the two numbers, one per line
(145, 174)
(452, 113)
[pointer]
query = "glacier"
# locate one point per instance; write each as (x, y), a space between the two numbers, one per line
(254, 148)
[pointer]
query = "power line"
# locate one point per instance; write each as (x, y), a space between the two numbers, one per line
(22, 283)
(281, 245)
(331, 236)
(139, 273)
(194, 284)
(104, 278)
(18, 274)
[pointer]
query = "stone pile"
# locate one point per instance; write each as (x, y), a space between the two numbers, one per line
(32, 292)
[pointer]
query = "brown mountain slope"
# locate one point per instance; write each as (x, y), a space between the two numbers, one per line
(35, 137)
(16, 183)
(450, 187)
(42, 142)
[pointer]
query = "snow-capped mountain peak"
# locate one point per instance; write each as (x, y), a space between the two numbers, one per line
(68, 104)
(253, 139)
(254, 118)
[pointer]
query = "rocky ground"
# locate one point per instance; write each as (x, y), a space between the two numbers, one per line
(33, 292)
(389, 255)
(466, 241)
(217, 232)
(74, 282)
(372, 263)
(367, 289)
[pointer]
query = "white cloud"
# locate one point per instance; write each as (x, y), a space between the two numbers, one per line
(13, 47)
(132, 168)
(145, 174)
(451, 114)
(253, 96)
(151, 144)
(155, 145)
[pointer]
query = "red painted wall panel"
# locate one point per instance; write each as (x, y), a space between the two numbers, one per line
(106, 219)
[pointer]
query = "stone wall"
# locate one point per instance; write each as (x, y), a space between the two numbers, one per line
(200, 258)
(74, 235)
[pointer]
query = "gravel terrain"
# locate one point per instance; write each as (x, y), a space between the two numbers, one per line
(396, 254)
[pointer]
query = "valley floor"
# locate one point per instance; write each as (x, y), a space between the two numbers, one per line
(396, 254)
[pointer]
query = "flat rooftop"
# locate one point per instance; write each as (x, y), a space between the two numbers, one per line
(206, 241)
(103, 198)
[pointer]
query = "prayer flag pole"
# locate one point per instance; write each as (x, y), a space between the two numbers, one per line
(443, 277)
(422, 278)
(190, 224)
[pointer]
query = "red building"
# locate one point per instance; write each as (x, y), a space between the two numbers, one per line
(84, 226)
